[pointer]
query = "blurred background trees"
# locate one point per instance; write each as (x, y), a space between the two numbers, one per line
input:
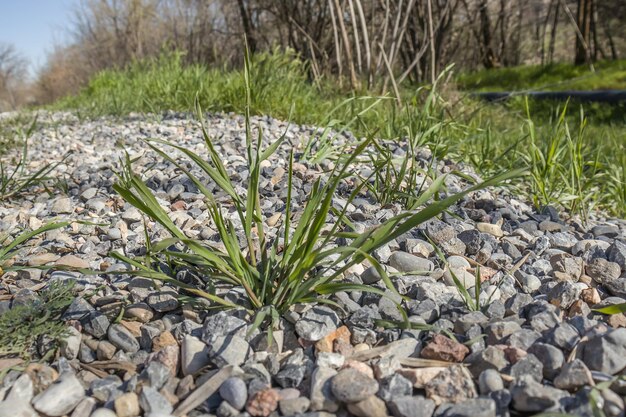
(365, 43)
(13, 77)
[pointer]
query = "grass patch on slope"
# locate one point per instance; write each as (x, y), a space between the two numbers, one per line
(552, 77)
(589, 170)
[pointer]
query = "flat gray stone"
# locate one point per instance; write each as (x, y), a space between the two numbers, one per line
(606, 353)
(228, 350)
(409, 406)
(405, 262)
(61, 397)
(351, 386)
(122, 338)
(317, 323)
(235, 392)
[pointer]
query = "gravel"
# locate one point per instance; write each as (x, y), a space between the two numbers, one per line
(136, 347)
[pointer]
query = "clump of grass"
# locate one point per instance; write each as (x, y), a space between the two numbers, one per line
(399, 178)
(302, 265)
(15, 179)
(562, 171)
(24, 326)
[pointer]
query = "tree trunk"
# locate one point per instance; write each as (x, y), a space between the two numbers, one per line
(489, 58)
(583, 20)
(248, 30)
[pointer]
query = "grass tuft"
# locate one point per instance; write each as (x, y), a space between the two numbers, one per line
(303, 264)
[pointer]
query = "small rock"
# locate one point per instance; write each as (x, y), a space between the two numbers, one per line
(61, 397)
(234, 391)
(563, 294)
(394, 386)
(321, 395)
(617, 253)
(122, 338)
(228, 350)
(163, 301)
(127, 405)
(131, 215)
(497, 331)
(95, 324)
(371, 276)
(475, 407)
(151, 401)
(62, 205)
(531, 396)
(70, 344)
(409, 406)
(566, 267)
(573, 376)
(350, 386)
(294, 406)
(327, 343)
(405, 262)
(103, 412)
(163, 340)
(606, 353)
(454, 384)
(550, 357)
(290, 375)
(194, 355)
(419, 377)
(492, 229)
(72, 261)
(444, 349)
(140, 312)
(105, 351)
(85, 408)
(41, 259)
(263, 403)
(439, 231)
(601, 270)
(317, 323)
(528, 366)
(489, 381)
(372, 406)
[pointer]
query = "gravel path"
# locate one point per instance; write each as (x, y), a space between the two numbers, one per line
(134, 349)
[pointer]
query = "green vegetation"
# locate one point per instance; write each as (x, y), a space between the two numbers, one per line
(298, 267)
(38, 321)
(16, 179)
(552, 77)
(578, 162)
(9, 248)
(167, 84)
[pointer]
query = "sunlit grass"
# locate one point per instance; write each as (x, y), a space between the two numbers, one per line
(590, 166)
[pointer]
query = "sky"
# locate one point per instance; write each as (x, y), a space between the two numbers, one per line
(35, 26)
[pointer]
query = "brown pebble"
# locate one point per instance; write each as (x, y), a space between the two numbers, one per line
(359, 366)
(590, 296)
(617, 320)
(326, 344)
(179, 205)
(578, 308)
(41, 375)
(263, 403)
(164, 339)
(372, 406)
(133, 326)
(445, 349)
